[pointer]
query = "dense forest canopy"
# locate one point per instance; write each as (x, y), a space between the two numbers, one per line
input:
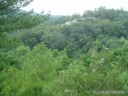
(78, 55)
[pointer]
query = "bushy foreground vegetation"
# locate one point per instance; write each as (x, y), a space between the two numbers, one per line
(65, 55)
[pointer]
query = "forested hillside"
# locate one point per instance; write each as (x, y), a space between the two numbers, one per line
(78, 55)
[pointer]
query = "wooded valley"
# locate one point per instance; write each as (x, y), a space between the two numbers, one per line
(78, 55)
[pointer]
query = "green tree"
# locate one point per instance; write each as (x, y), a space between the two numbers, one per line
(37, 75)
(31, 39)
(8, 6)
(53, 39)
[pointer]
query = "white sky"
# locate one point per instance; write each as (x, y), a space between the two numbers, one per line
(69, 7)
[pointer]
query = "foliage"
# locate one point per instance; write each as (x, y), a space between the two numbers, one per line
(8, 6)
(66, 55)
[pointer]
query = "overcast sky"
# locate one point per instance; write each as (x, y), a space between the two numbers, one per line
(69, 7)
